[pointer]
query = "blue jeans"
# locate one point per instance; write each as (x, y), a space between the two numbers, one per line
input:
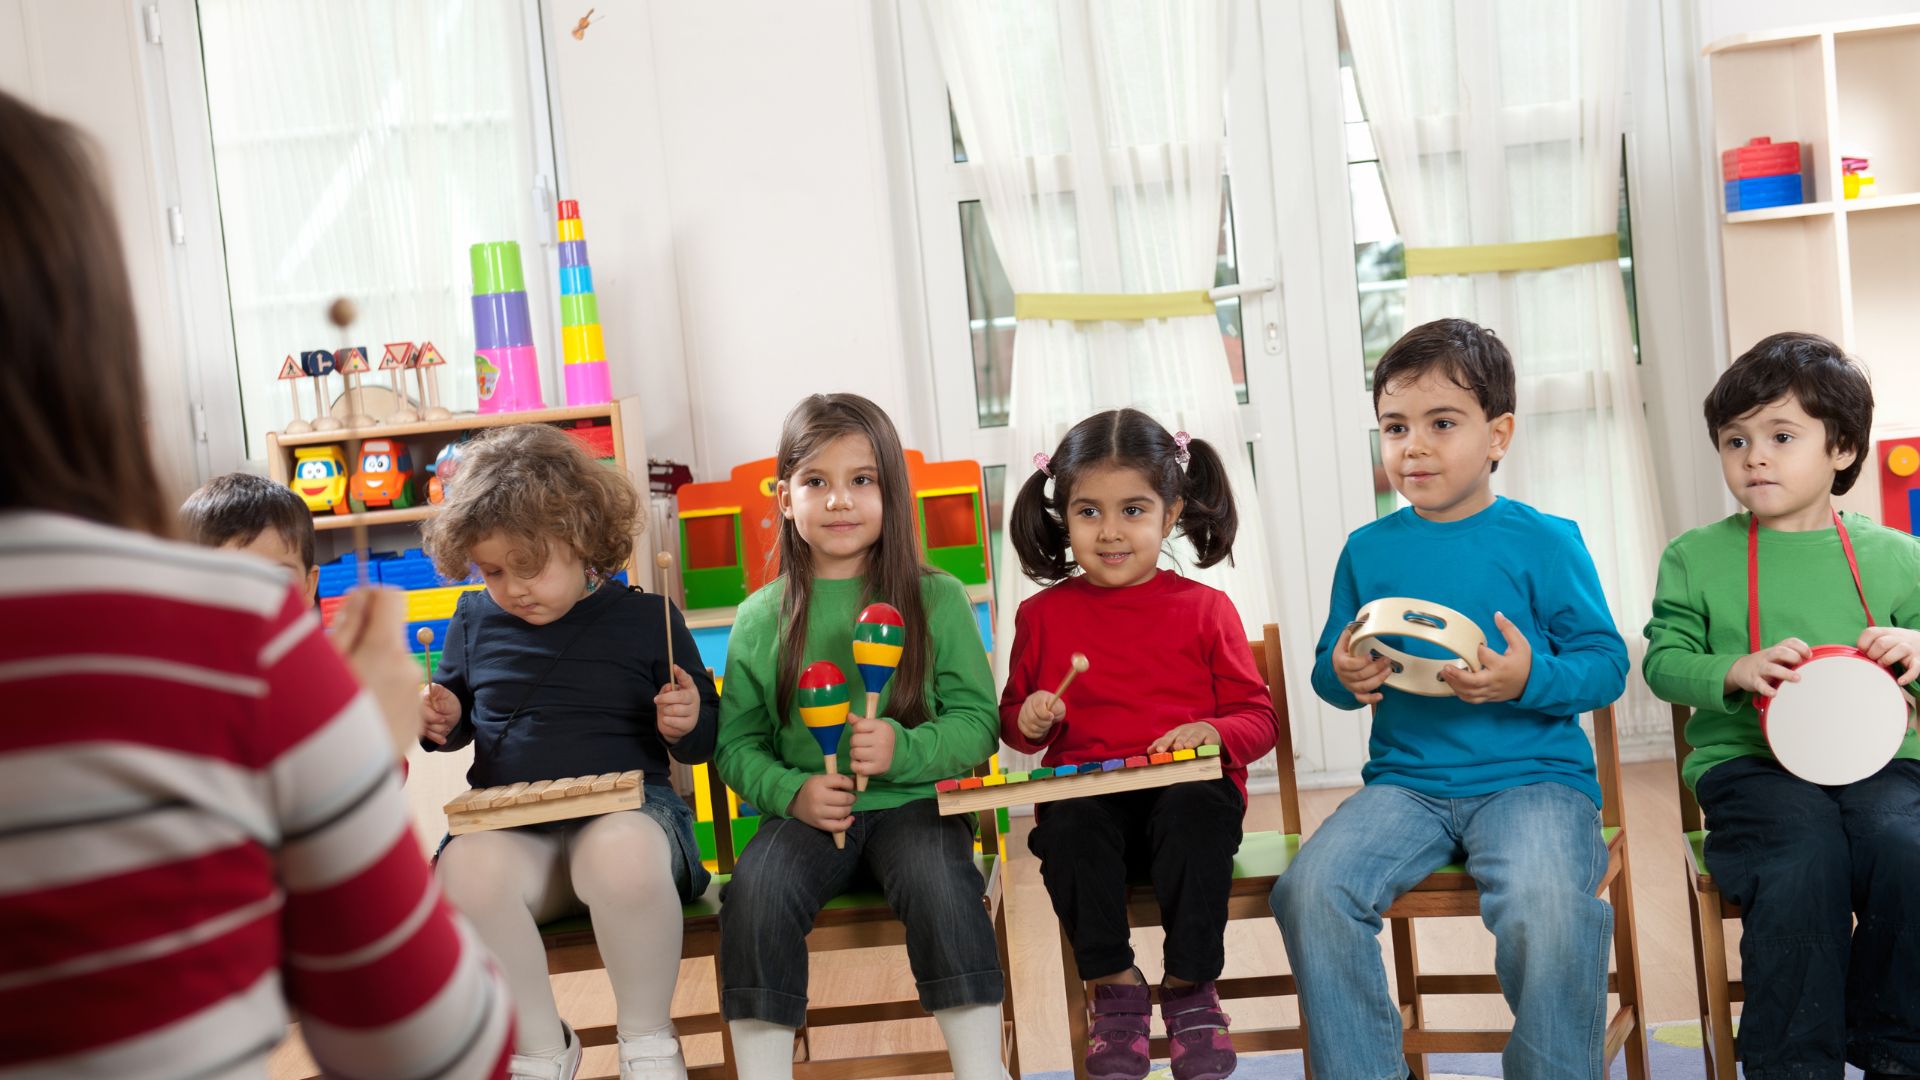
(1536, 854)
(924, 866)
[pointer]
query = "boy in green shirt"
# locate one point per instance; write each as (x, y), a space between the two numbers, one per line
(1791, 420)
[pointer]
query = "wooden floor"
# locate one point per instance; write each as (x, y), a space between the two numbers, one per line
(1660, 897)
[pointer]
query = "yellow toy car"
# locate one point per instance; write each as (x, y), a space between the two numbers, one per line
(320, 478)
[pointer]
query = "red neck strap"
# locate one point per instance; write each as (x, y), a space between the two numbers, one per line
(1753, 577)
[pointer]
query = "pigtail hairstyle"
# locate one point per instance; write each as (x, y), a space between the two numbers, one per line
(1208, 519)
(893, 567)
(1178, 469)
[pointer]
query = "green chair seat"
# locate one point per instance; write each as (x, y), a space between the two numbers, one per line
(1265, 854)
(1697, 843)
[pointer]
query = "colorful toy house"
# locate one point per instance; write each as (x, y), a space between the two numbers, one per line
(1900, 484)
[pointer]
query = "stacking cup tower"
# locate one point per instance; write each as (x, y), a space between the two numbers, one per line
(585, 351)
(505, 366)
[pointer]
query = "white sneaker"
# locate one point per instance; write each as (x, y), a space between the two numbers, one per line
(652, 1057)
(562, 1064)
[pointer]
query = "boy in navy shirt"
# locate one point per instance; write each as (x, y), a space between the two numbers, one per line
(1498, 775)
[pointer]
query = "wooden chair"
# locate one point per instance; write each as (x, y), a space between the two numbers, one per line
(856, 920)
(1450, 892)
(1708, 910)
(1262, 858)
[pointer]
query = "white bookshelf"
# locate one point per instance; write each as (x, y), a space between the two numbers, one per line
(1845, 268)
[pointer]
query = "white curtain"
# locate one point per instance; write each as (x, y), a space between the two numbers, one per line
(1098, 129)
(361, 146)
(1499, 121)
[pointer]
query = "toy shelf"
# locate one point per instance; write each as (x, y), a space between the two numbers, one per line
(1845, 268)
(323, 522)
(457, 424)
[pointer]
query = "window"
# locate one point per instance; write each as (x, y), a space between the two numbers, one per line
(358, 149)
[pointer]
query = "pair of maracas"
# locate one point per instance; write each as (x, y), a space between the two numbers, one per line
(879, 636)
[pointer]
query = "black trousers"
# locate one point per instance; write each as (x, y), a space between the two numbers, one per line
(1181, 838)
(1802, 861)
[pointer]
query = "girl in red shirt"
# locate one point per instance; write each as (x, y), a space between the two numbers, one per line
(1170, 670)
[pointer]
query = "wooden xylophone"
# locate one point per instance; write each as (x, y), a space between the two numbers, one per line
(510, 805)
(1044, 784)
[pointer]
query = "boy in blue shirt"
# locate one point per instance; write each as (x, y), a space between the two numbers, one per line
(1499, 775)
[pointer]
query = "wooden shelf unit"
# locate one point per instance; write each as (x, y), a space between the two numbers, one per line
(426, 438)
(1845, 268)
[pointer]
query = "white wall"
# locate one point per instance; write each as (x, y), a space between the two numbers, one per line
(1723, 18)
(84, 61)
(732, 176)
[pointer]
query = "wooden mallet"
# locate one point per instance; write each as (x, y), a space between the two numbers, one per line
(424, 636)
(664, 561)
(1079, 663)
(341, 313)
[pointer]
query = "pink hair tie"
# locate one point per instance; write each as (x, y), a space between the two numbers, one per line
(1180, 452)
(1041, 461)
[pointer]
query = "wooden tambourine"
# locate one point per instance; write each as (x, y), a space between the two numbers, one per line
(1421, 621)
(1842, 722)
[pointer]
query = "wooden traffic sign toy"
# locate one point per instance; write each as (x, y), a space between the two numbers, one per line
(1400, 616)
(879, 637)
(1044, 784)
(511, 805)
(823, 701)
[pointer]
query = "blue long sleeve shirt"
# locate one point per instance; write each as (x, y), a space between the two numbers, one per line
(1510, 558)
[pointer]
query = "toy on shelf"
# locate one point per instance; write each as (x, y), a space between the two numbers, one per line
(290, 373)
(395, 360)
(320, 478)
(1050, 784)
(511, 805)
(505, 366)
(352, 364)
(383, 476)
(425, 360)
(583, 346)
(1418, 620)
(1762, 173)
(318, 364)
(440, 473)
(823, 701)
(1900, 484)
(879, 637)
(1854, 176)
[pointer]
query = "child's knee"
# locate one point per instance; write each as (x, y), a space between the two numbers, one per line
(476, 876)
(1303, 897)
(624, 859)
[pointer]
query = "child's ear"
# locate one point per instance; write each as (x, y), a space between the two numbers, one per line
(313, 585)
(1844, 459)
(1501, 432)
(783, 498)
(1173, 517)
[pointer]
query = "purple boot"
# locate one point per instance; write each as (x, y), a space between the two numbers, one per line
(1117, 1046)
(1197, 1028)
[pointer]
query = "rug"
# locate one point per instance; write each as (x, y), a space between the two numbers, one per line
(1673, 1052)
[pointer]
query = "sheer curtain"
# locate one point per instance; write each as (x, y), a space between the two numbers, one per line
(1497, 122)
(361, 146)
(1098, 128)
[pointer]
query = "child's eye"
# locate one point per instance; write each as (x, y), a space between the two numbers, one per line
(1395, 429)
(862, 480)
(1444, 424)
(1133, 511)
(1782, 437)
(1085, 512)
(1735, 442)
(813, 481)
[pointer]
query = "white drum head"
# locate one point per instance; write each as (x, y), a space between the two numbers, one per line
(1842, 722)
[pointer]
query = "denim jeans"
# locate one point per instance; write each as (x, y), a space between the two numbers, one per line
(1801, 860)
(924, 866)
(1536, 854)
(1182, 838)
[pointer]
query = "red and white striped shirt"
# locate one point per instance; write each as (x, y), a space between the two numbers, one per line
(201, 826)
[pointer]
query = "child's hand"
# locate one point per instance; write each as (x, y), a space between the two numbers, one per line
(1186, 737)
(676, 708)
(870, 749)
(439, 712)
(1763, 672)
(1890, 645)
(824, 802)
(1039, 713)
(1361, 675)
(1502, 676)
(370, 632)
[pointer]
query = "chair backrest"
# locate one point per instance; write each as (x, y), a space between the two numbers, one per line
(1266, 657)
(1606, 761)
(1690, 820)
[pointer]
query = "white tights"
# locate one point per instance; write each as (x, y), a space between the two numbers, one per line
(619, 867)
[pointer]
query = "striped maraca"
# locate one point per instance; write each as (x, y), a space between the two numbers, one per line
(823, 702)
(879, 636)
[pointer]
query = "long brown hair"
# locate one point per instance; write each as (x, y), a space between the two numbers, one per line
(893, 568)
(72, 423)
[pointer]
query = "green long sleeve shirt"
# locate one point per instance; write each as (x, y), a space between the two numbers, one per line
(1699, 625)
(766, 758)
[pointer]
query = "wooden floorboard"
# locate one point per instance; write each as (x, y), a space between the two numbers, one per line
(1253, 949)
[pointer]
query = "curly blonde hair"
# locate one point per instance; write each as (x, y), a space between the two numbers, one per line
(535, 484)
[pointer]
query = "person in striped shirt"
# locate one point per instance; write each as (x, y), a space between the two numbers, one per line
(201, 824)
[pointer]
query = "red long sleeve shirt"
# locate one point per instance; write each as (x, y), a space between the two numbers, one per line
(1160, 654)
